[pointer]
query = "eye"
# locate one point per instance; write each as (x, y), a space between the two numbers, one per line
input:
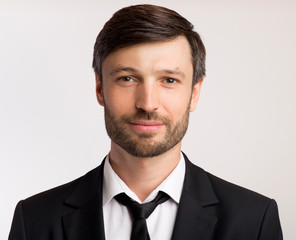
(170, 80)
(125, 79)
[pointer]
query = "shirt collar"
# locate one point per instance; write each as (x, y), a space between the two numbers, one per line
(172, 185)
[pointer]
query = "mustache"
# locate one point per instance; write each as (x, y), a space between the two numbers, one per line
(143, 115)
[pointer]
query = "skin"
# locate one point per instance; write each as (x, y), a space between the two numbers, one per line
(155, 78)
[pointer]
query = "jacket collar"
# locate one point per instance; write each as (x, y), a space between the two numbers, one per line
(194, 218)
(86, 219)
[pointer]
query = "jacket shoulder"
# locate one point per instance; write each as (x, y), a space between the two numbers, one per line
(236, 195)
(52, 201)
(40, 216)
(239, 207)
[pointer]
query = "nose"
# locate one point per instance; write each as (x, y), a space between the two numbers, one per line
(147, 97)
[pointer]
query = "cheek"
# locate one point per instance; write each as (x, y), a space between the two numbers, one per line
(118, 102)
(176, 105)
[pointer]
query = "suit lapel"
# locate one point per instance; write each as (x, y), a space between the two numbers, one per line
(86, 219)
(194, 220)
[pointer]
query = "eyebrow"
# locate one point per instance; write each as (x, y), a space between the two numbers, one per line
(121, 68)
(171, 72)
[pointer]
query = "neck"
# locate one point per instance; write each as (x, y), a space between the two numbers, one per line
(143, 175)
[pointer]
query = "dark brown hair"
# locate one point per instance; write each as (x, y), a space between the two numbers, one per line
(147, 23)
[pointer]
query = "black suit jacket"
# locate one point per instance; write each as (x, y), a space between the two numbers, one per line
(209, 208)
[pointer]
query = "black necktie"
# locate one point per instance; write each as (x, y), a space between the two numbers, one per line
(140, 213)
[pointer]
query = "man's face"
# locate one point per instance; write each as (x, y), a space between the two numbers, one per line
(147, 95)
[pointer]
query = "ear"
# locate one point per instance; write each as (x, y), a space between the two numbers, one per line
(99, 90)
(195, 95)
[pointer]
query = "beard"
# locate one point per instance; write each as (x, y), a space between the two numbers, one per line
(143, 144)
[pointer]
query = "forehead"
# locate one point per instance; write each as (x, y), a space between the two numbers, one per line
(153, 56)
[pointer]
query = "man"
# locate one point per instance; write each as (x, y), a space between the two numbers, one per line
(149, 65)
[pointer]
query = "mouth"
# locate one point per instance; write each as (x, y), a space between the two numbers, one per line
(146, 126)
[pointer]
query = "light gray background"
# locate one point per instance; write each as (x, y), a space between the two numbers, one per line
(52, 129)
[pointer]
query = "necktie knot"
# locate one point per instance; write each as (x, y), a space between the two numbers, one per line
(140, 212)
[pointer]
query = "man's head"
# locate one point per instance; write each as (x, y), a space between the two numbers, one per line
(149, 66)
(147, 23)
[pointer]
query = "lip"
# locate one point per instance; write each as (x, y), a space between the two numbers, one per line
(146, 126)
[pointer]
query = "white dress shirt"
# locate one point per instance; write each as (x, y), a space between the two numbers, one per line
(160, 224)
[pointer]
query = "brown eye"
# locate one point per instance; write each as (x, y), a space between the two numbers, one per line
(170, 80)
(126, 79)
